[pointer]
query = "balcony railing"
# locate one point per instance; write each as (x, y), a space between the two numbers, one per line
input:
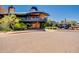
(34, 20)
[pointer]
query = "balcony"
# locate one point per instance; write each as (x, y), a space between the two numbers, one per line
(34, 20)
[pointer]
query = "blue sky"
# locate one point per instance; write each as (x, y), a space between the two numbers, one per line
(56, 12)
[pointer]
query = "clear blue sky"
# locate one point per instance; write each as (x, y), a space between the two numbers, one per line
(56, 12)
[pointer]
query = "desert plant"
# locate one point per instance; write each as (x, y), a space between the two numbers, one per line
(9, 22)
(5, 27)
(20, 26)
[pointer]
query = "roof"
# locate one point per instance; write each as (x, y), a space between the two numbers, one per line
(26, 13)
(38, 12)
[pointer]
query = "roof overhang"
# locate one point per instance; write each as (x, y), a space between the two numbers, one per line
(25, 13)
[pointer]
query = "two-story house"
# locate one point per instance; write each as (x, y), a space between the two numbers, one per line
(34, 18)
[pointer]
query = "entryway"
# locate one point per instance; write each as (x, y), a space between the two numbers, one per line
(36, 25)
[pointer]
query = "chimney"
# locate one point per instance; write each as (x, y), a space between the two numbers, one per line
(34, 9)
(11, 9)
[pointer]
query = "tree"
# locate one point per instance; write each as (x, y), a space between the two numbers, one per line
(73, 22)
(70, 23)
(50, 23)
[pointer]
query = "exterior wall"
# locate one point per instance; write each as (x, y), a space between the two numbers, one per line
(36, 25)
(42, 16)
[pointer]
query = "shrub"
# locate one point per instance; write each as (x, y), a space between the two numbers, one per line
(54, 27)
(20, 26)
(4, 27)
(48, 27)
(11, 22)
(43, 26)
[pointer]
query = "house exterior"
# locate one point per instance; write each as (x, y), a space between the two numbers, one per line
(34, 18)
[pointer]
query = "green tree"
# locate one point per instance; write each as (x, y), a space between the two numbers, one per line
(50, 24)
(71, 23)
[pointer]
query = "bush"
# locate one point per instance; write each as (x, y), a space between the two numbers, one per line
(48, 27)
(42, 26)
(20, 26)
(54, 27)
(4, 27)
(11, 22)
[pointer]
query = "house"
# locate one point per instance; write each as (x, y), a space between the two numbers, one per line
(34, 18)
